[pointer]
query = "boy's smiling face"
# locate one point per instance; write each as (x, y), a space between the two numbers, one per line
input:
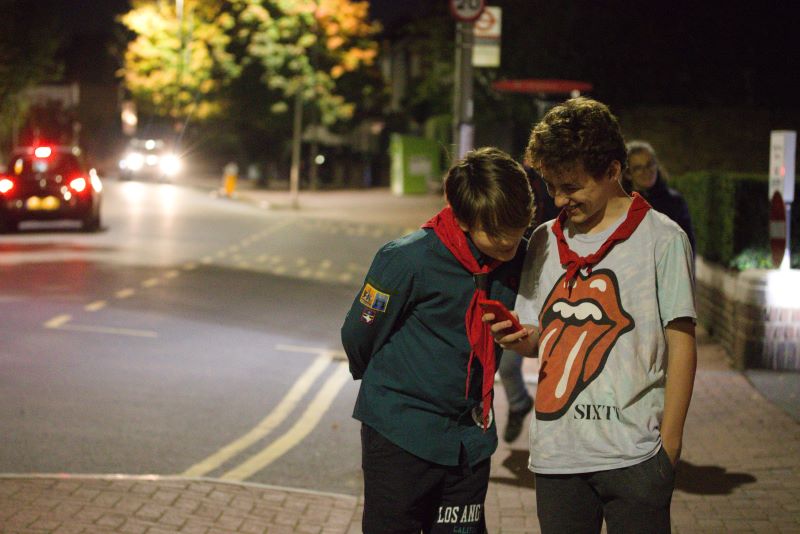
(584, 197)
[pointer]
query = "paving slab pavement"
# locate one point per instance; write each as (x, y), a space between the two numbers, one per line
(740, 470)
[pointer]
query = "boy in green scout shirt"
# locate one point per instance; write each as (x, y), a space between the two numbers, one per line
(414, 337)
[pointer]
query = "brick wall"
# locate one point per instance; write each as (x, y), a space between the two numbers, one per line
(755, 315)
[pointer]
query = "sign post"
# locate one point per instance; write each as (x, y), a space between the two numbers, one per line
(781, 194)
(465, 12)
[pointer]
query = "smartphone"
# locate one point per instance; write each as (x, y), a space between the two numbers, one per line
(501, 313)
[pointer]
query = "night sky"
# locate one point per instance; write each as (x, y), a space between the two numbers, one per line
(729, 52)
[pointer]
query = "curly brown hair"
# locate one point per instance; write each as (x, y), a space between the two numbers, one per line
(580, 130)
(487, 189)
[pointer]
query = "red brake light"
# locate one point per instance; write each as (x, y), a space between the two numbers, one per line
(78, 184)
(43, 152)
(6, 185)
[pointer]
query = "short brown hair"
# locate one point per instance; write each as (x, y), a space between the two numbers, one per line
(487, 189)
(580, 130)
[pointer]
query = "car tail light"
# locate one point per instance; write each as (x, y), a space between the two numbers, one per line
(78, 184)
(6, 185)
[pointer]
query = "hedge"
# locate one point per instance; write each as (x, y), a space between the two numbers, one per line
(730, 215)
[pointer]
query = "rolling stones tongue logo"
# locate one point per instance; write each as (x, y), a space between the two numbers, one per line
(578, 329)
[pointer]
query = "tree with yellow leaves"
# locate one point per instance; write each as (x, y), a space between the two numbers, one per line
(177, 65)
(178, 62)
(305, 46)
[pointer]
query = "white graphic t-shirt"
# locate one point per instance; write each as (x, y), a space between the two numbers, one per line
(602, 349)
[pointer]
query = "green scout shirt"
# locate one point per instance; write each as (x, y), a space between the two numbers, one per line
(405, 337)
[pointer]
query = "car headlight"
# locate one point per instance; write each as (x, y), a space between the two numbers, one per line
(170, 164)
(133, 161)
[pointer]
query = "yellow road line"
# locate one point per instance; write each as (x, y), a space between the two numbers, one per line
(266, 425)
(95, 306)
(150, 282)
(124, 293)
(305, 424)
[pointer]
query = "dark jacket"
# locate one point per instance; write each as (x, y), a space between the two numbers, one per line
(405, 337)
(669, 202)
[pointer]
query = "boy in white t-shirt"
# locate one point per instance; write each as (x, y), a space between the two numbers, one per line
(608, 289)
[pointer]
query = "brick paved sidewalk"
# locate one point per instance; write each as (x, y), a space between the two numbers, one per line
(159, 505)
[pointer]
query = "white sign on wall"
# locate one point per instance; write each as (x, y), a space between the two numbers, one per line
(781, 163)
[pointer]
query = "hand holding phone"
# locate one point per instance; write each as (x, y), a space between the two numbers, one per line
(501, 313)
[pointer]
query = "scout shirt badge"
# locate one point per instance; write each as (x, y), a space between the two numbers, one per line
(374, 299)
(374, 302)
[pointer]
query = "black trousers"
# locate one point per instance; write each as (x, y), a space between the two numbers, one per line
(404, 494)
(632, 500)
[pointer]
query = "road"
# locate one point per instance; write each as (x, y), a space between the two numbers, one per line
(193, 335)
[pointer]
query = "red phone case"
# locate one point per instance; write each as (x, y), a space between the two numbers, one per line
(501, 313)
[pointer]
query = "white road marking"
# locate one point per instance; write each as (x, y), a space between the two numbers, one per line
(124, 293)
(95, 306)
(57, 321)
(328, 353)
(109, 330)
(61, 322)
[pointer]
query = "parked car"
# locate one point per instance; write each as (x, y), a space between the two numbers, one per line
(149, 158)
(49, 183)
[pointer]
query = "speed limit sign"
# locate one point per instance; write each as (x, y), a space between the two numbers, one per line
(466, 10)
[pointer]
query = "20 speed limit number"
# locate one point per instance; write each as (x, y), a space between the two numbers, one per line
(466, 10)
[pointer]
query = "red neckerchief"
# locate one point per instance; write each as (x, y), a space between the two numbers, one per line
(446, 227)
(574, 263)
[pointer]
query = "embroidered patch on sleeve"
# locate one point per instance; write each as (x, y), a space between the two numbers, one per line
(374, 299)
(368, 316)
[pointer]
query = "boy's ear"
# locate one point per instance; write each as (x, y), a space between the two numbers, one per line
(614, 171)
(464, 227)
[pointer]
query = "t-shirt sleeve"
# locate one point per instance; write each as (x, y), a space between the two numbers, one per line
(529, 299)
(378, 308)
(676, 279)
